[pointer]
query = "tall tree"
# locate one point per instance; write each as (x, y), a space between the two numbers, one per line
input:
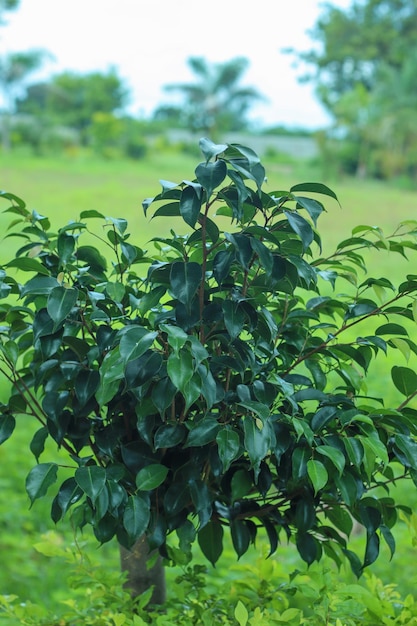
(15, 68)
(354, 43)
(216, 101)
(363, 75)
(7, 5)
(72, 99)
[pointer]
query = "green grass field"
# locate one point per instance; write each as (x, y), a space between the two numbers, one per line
(64, 187)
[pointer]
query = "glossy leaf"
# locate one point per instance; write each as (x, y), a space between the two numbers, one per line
(228, 443)
(257, 442)
(210, 149)
(204, 432)
(314, 188)
(211, 175)
(39, 479)
(190, 205)
(151, 476)
(405, 380)
(234, 318)
(69, 493)
(301, 227)
(7, 426)
(91, 479)
(180, 369)
(136, 517)
(307, 547)
(140, 370)
(60, 303)
(27, 264)
(317, 474)
(37, 445)
(240, 536)
(337, 458)
(185, 279)
(210, 540)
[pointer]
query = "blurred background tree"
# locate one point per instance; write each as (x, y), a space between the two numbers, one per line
(72, 99)
(15, 69)
(365, 77)
(216, 102)
(7, 5)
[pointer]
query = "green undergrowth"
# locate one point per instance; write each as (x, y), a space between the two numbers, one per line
(261, 592)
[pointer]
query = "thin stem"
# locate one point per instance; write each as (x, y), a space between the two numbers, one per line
(358, 320)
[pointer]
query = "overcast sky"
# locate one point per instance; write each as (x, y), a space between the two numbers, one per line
(149, 43)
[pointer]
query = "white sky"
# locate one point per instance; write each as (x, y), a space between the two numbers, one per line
(149, 43)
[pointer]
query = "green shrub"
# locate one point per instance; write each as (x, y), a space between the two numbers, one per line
(223, 386)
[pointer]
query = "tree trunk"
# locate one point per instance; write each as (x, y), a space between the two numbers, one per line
(139, 577)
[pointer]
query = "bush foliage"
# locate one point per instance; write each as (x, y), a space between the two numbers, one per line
(222, 386)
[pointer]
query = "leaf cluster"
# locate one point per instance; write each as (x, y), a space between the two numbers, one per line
(223, 385)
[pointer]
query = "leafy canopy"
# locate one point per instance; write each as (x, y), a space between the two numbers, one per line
(219, 381)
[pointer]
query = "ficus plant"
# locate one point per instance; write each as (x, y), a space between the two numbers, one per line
(218, 380)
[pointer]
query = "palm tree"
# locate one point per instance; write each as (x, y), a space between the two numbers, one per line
(215, 102)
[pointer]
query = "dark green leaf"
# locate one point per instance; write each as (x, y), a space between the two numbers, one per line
(151, 476)
(372, 548)
(69, 493)
(176, 498)
(142, 369)
(135, 341)
(257, 442)
(234, 318)
(204, 432)
(91, 213)
(60, 303)
(39, 479)
(305, 515)
(66, 246)
(301, 227)
(228, 443)
(169, 435)
(28, 264)
(405, 380)
(37, 445)
(222, 264)
(307, 547)
(185, 279)
(314, 188)
(340, 518)
(322, 417)
(313, 207)
(408, 447)
(7, 426)
(211, 175)
(190, 205)
(389, 538)
(354, 450)
(210, 540)
(180, 369)
(86, 384)
(39, 286)
(317, 474)
(136, 517)
(91, 479)
(241, 484)
(210, 149)
(240, 536)
(391, 329)
(336, 457)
